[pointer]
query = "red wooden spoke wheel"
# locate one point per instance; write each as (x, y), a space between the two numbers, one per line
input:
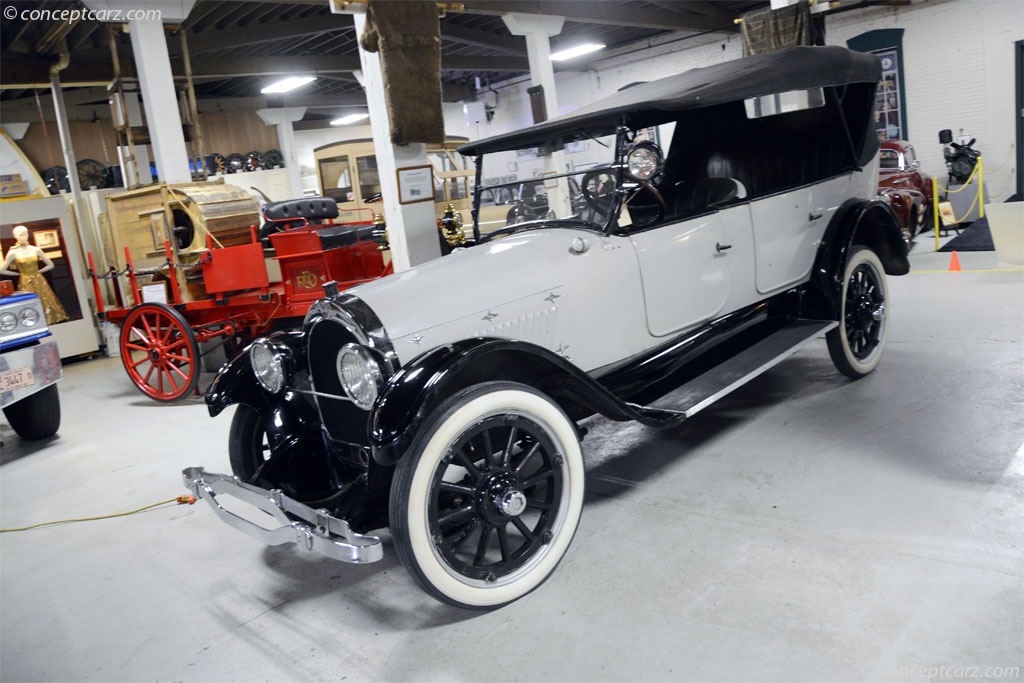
(160, 352)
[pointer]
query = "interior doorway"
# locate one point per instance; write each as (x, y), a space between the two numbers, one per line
(1018, 56)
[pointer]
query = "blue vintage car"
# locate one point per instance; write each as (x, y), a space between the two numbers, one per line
(29, 367)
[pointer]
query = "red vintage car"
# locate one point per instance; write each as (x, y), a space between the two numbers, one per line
(906, 188)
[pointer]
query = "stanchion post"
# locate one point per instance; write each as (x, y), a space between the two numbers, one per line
(981, 189)
(100, 309)
(172, 275)
(935, 209)
(136, 293)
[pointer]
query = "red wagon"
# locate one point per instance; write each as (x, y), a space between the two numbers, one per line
(231, 294)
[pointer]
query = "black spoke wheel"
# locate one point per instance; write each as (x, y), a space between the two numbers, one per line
(856, 345)
(487, 500)
(248, 447)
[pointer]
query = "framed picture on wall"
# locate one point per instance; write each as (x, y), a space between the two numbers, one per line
(46, 239)
(890, 97)
(415, 184)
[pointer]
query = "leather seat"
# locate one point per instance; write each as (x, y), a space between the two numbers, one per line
(692, 197)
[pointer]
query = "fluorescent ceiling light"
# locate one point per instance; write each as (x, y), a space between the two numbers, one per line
(586, 48)
(351, 118)
(286, 84)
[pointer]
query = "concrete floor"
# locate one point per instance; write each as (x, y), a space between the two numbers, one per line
(807, 528)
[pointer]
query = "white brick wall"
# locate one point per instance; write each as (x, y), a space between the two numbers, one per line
(958, 70)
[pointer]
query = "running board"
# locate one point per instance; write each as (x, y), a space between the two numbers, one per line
(705, 389)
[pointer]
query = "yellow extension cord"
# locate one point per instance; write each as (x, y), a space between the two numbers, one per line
(180, 500)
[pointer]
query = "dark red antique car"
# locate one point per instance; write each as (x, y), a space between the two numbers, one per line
(906, 188)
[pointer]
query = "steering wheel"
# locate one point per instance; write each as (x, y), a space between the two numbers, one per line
(660, 207)
(598, 190)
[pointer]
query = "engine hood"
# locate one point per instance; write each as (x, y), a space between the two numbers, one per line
(472, 282)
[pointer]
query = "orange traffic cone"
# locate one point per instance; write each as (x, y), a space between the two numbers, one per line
(954, 263)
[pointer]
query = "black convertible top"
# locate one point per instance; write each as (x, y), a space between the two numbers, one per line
(792, 68)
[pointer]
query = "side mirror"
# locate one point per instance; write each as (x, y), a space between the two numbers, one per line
(916, 164)
(946, 136)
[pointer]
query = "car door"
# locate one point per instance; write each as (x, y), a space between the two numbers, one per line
(684, 271)
(786, 232)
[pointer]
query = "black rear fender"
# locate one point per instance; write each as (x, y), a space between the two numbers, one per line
(422, 385)
(870, 223)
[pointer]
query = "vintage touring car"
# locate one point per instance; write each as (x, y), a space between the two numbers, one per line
(726, 221)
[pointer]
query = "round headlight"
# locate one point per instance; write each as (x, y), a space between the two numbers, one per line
(267, 366)
(8, 322)
(359, 374)
(643, 161)
(29, 317)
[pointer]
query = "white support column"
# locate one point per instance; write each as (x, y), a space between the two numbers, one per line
(412, 228)
(149, 46)
(538, 31)
(283, 119)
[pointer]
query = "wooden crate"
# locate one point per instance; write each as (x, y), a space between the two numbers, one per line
(143, 219)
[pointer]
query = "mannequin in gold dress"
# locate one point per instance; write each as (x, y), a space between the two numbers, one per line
(27, 258)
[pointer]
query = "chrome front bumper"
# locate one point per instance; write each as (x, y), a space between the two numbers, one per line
(323, 534)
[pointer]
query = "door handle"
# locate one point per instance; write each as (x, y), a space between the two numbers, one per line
(814, 216)
(722, 247)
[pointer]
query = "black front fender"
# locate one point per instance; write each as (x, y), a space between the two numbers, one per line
(236, 383)
(412, 394)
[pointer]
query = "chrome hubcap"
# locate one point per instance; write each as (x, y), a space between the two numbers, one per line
(513, 503)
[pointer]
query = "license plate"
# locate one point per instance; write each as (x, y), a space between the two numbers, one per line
(16, 379)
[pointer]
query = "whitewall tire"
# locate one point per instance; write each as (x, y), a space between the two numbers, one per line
(486, 501)
(856, 345)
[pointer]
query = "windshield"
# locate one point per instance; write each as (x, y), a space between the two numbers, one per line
(572, 183)
(889, 158)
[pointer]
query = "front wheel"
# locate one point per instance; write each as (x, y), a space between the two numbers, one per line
(856, 345)
(248, 447)
(487, 500)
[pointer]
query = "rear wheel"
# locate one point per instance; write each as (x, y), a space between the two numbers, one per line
(486, 502)
(856, 345)
(36, 416)
(159, 352)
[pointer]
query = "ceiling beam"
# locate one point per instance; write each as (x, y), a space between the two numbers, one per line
(707, 18)
(215, 104)
(25, 109)
(19, 112)
(275, 66)
(211, 41)
(21, 71)
(590, 12)
(469, 36)
(333, 64)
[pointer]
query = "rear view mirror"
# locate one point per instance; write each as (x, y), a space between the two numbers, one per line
(946, 136)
